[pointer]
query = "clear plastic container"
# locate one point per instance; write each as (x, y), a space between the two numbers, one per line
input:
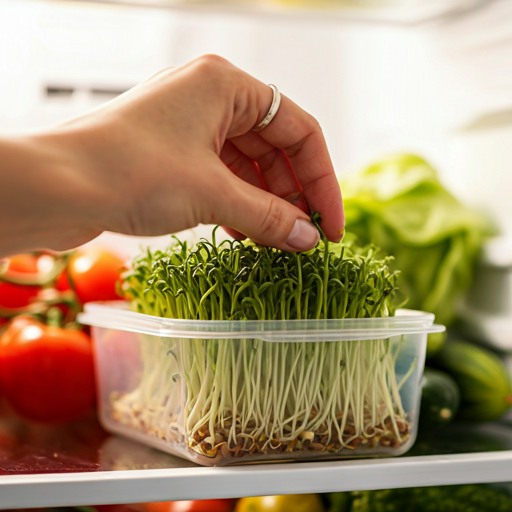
(232, 392)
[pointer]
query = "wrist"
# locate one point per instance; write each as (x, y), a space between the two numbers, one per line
(46, 200)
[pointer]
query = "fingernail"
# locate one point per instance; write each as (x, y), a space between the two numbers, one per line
(304, 235)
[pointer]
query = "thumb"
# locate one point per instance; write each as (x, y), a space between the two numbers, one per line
(265, 218)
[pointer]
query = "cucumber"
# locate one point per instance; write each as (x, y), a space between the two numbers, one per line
(440, 399)
(485, 387)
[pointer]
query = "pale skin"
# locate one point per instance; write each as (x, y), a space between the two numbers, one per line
(175, 151)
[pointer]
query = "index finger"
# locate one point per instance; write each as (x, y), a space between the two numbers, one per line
(300, 136)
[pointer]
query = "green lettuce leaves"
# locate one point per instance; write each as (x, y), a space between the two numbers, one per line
(400, 205)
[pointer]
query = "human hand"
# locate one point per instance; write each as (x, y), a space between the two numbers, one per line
(179, 150)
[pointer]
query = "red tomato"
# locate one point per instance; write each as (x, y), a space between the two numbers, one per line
(190, 506)
(117, 508)
(15, 295)
(46, 373)
(95, 272)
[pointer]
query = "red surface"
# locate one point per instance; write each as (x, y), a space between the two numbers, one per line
(30, 448)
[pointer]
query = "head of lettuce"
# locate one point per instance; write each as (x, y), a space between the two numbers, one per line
(399, 204)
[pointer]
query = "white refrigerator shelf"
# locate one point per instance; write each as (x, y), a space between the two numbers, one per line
(128, 472)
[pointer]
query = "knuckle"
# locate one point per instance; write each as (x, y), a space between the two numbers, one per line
(211, 61)
(294, 149)
(314, 134)
(215, 72)
(314, 123)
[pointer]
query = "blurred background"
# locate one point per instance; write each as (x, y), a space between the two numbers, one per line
(434, 78)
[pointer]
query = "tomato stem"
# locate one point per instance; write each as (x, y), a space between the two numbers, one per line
(40, 279)
(54, 317)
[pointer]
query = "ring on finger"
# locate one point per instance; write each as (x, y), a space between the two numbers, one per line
(272, 111)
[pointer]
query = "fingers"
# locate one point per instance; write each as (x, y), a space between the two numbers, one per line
(242, 166)
(274, 164)
(298, 134)
(275, 168)
(234, 233)
(260, 215)
(303, 142)
(246, 169)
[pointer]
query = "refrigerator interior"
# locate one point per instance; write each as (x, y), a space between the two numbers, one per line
(437, 83)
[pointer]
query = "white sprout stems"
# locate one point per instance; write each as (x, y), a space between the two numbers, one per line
(256, 396)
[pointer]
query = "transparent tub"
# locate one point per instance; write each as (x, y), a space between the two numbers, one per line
(232, 392)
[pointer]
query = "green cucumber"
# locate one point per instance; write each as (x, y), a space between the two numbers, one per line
(486, 390)
(440, 399)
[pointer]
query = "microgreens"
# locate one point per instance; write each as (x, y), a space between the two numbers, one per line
(248, 396)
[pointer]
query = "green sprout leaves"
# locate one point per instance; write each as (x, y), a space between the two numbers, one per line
(238, 280)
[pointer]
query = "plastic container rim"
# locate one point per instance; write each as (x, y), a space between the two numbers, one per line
(116, 315)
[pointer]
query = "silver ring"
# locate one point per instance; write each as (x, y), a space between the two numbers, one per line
(272, 111)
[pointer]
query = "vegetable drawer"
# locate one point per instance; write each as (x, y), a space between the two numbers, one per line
(231, 392)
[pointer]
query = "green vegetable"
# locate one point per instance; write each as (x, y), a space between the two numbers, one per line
(338, 502)
(485, 386)
(242, 281)
(440, 399)
(453, 498)
(249, 396)
(458, 438)
(399, 204)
